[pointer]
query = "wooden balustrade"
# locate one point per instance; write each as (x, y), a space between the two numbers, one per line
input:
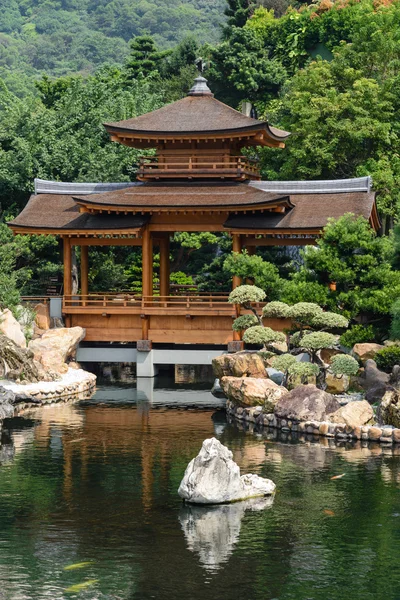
(235, 167)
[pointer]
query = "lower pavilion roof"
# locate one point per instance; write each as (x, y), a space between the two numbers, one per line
(253, 207)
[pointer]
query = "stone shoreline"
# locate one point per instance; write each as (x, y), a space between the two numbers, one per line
(384, 434)
(72, 384)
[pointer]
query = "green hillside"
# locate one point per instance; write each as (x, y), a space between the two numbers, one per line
(63, 36)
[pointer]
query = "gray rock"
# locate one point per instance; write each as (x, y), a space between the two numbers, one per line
(214, 478)
(6, 396)
(375, 382)
(275, 375)
(217, 390)
(306, 403)
(303, 357)
(7, 400)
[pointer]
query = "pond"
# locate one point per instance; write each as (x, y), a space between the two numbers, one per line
(89, 508)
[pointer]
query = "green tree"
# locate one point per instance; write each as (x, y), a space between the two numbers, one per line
(145, 58)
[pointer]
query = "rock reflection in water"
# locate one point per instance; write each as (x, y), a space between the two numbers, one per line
(212, 532)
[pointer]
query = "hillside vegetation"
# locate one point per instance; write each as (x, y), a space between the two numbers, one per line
(64, 36)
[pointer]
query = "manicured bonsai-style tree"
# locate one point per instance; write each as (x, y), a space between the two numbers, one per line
(344, 364)
(263, 335)
(310, 326)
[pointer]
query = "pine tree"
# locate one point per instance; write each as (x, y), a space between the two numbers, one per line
(238, 11)
(144, 58)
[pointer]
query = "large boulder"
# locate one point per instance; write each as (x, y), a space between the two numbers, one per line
(17, 363)
(240, 364)
(214, 478)
(366, 351)
(389, 409)
(306, 403)
(42, 316)
(7, 400)
(10, 327)
(354, 414)
(374, 382)
(250, 391)
(336, 384)
(56, 347)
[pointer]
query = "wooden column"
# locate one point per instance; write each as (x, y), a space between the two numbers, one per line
(67, 274)
(84, 272)
(164, 267)
(236, 281)
(147, 266)
(236, 247)
(147, 277)
(67, 266)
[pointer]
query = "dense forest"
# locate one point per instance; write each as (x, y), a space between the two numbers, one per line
(328, 72)
(57, 37)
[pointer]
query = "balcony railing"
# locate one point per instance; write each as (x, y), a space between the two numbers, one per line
(235, 167)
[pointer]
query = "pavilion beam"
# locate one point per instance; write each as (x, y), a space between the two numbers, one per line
(164, 266)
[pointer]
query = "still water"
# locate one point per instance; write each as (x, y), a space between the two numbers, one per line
(89, 509)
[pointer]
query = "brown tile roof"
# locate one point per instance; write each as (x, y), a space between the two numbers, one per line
(60, 212)
(311, 211)
(191, 195)
(194, 114)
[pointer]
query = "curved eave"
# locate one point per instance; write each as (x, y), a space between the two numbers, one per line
(152, 208)
(254, 130)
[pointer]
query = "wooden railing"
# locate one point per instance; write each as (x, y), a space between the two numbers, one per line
(200, 300)
(236, 167)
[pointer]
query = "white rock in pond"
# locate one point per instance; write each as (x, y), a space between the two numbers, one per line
(214, 478)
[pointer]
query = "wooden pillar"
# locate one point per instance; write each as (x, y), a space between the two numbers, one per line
(236, 247)
(147, 266)
(164, 267)
(147, 278)
(67, 267)
(236, 281)
(84, 270)
(67, 274)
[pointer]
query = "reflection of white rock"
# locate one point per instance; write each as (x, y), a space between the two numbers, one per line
(213, 531)
(214, 478)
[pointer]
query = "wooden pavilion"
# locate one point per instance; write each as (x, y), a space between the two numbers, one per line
(197, 181)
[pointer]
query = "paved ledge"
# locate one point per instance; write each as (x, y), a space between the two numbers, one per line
(74, 383)
(385, 434)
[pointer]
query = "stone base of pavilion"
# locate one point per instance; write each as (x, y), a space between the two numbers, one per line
(73, 385)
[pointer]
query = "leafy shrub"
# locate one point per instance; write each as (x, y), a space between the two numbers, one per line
(302, 370)
(283, 362)
(318, 340)
(329, 320)
(357, 334)
(276, 309)
(244, 322)
(387, 358)
(262, 335)
(343, 364)
(244, 294)
(304, 312)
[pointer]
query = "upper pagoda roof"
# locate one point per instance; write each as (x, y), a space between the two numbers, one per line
(198, 113)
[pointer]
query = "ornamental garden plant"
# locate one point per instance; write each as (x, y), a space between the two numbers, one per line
(311, 331)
